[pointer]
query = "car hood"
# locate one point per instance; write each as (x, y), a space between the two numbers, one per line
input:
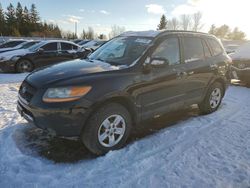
(67, 70)
(13, 53)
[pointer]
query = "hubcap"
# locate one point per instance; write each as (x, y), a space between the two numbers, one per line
(25, 66)
(111, 130)
(215, 98)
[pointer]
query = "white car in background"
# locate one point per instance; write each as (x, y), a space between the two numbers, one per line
(94, 44)
(241, 63)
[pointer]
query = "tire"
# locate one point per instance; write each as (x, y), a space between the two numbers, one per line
(97, 134)
(24, 65)
(212, 99)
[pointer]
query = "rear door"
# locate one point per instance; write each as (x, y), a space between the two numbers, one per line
(67, 51)
(196, 58)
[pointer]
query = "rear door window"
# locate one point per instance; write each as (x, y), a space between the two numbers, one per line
(193, 49)
(67, 46)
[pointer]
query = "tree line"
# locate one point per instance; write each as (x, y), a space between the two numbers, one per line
(90, 33)
(21, 21)
(193, 22)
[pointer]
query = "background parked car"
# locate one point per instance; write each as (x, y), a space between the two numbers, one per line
(23, 45)
(2, 41)
(76, 41)
(11, 43)
(41, 54)
(93, 44)
(83, 42)
(241, 63)
(231, 48)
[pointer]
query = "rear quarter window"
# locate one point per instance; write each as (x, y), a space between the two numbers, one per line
(215, 46)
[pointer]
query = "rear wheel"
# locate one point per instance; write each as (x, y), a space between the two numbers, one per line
(24, 65)
(107, 129)
(213, 99)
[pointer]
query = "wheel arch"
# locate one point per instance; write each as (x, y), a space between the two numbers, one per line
(23, 58)
(123, 101)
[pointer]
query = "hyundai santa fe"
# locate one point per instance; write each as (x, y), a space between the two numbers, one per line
(133, 77)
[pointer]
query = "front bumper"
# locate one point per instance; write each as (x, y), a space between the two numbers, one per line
(7, 66)
(66, 122)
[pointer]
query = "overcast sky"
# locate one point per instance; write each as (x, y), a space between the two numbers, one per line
(137, 14)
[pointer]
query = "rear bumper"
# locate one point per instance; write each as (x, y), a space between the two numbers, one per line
(64, 122)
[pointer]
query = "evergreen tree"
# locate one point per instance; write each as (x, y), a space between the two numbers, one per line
(163, 23)
(2, 21)
(26, 22)
(34, 18)
(19, 18)
(10, 19)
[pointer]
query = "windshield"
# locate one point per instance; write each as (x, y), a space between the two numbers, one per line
(36, 46)
(28, 44)
(121, 50)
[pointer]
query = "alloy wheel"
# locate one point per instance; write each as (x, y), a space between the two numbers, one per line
(215, 98)
(111, 130)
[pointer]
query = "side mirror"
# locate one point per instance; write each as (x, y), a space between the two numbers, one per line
(40, 50)
(159, 62)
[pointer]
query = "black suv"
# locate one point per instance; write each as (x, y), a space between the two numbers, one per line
(133, 77)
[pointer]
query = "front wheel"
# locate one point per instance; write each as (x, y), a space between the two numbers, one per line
(107, 129)
(213, 99)
(24, 65)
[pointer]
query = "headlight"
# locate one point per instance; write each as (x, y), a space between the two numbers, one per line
(65, 94)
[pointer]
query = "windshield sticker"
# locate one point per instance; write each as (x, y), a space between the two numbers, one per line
(144, 41)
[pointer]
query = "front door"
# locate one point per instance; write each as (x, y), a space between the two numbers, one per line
(49, 55)
(163, 86)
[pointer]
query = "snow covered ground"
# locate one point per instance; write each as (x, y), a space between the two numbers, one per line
(200, 151)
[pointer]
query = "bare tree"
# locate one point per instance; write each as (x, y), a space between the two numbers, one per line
(102, 37)
(90, 33)
(185, 21)
(173, 24)
(116, 30)
(197, 25)
(84, 34)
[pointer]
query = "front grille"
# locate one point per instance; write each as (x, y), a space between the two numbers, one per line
(27, 91)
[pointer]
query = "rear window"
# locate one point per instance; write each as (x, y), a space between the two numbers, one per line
(193, 49)
(216, 47)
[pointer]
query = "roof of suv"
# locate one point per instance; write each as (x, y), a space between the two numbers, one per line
(153, 33)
